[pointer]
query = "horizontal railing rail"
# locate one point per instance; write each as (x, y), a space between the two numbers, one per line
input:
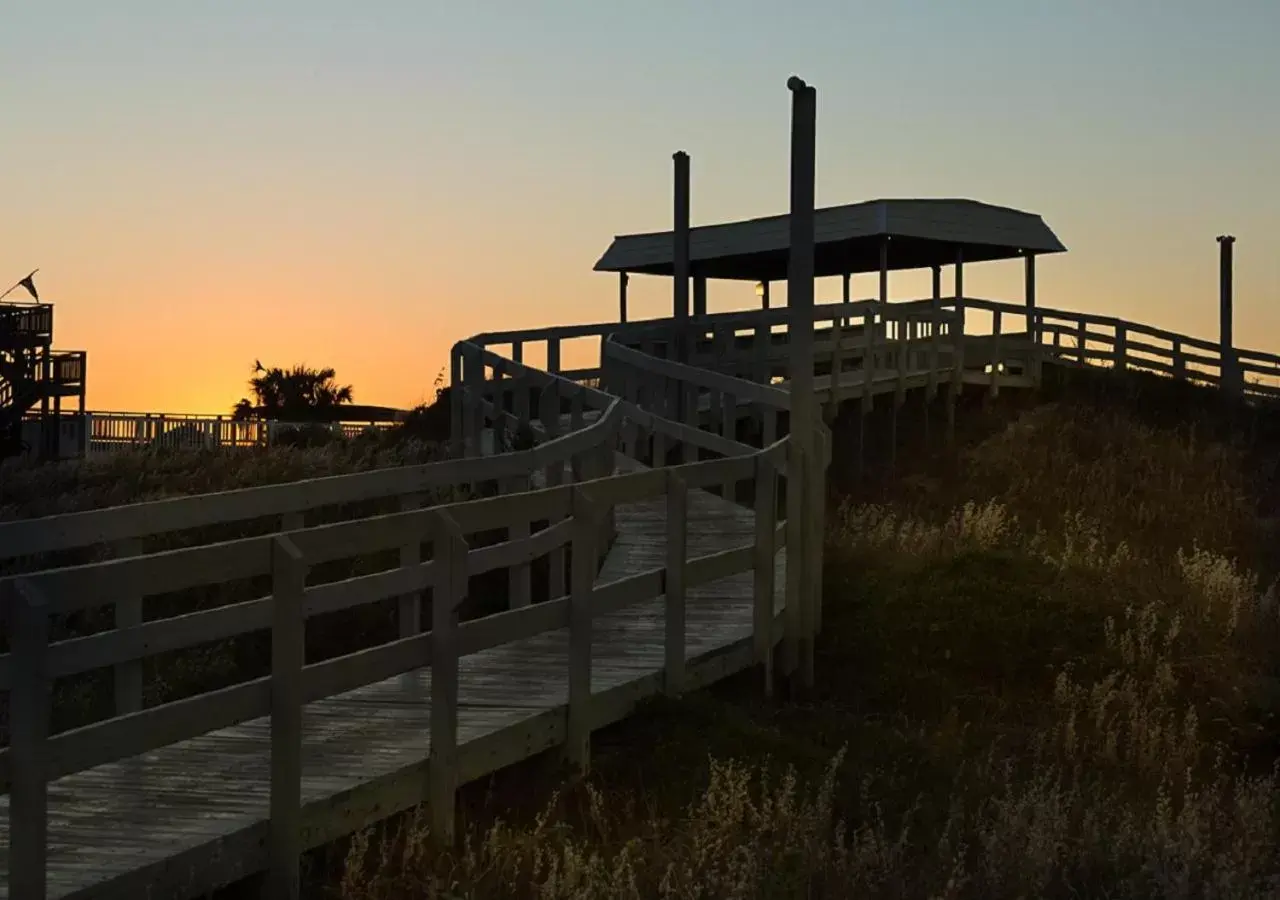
(35, 757)
(1090, 339)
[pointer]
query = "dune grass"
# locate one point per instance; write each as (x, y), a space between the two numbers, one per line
(1048, 674)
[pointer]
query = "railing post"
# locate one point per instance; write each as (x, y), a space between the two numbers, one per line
(457, 437)
(580, 714)
(128, 614)
(288, 585)
(996, 320)
(553, 355)
(1179, 361)
(674, 597)
(817, 477)
(30, 698)
(935, 344)
(692, 403)
(795, 615)
(442, 773)
(729, 429)
(409, 613)
(549, 414)
(764, 564)
(1119, 361)
(763, 346)
(833, 401)
(871, 329)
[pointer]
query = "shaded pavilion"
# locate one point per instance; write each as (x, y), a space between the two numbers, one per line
(874, 236)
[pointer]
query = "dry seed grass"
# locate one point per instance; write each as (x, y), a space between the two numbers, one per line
(1045, 677)
(29, 490)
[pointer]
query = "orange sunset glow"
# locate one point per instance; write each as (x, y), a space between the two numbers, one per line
(359, 187)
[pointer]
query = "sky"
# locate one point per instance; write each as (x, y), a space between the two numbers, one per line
(359, 185)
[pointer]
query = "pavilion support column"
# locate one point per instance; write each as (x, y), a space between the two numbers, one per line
(884, 271)
(764, 295)
(623, 278)
(959, 286)
(957, 344)
(846, 297)
(804, 461)
(901, 335)
(699, 295)
(1033, 320)
(884, 286)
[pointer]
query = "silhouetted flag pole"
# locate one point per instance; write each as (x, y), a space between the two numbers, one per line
(29, 283)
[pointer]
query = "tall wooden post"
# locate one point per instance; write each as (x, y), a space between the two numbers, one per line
(622, 297)
(804, 114)
(1229, 371)
(680, 256)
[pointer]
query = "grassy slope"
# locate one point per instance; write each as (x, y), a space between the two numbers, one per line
(1015, 638)
(1043, 672)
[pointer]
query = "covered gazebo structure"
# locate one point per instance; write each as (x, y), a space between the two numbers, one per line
(874, 236)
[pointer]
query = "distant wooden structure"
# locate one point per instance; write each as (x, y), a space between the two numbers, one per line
(662, 486)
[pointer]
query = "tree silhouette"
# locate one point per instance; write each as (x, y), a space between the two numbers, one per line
(299, 394)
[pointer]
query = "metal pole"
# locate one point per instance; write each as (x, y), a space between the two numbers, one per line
(800, 270)
(680, 311)
(1228, 369)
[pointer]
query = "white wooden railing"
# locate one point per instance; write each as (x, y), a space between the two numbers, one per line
(35, 757)
(717, 415)
(1086, 339)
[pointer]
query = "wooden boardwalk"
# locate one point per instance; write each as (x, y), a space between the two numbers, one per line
(167, 802)
(191, 815)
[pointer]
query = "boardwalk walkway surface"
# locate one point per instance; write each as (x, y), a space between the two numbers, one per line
(149, 821)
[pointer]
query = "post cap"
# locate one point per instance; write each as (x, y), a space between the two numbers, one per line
(1226, 239)
(679, 154)
(796, 83)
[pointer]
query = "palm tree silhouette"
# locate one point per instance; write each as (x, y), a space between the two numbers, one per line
(299, 394)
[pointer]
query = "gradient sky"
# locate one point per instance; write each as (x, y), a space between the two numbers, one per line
(361, 184)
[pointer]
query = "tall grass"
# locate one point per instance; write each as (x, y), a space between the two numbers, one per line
(1051, 676)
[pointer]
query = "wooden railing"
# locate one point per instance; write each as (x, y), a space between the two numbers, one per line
(123, 530)
(31, 319)
(35, 757)
(110, 432)
(650, 400)
(1087, 339)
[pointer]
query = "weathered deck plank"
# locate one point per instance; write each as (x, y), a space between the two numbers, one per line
(183, 804)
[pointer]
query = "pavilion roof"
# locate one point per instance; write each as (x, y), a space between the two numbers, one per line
(921, 234)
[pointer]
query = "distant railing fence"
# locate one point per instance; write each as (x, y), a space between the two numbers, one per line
(101, 433)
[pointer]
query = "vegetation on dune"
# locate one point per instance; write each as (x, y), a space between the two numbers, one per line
(1048, 669)
(1048, 674)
